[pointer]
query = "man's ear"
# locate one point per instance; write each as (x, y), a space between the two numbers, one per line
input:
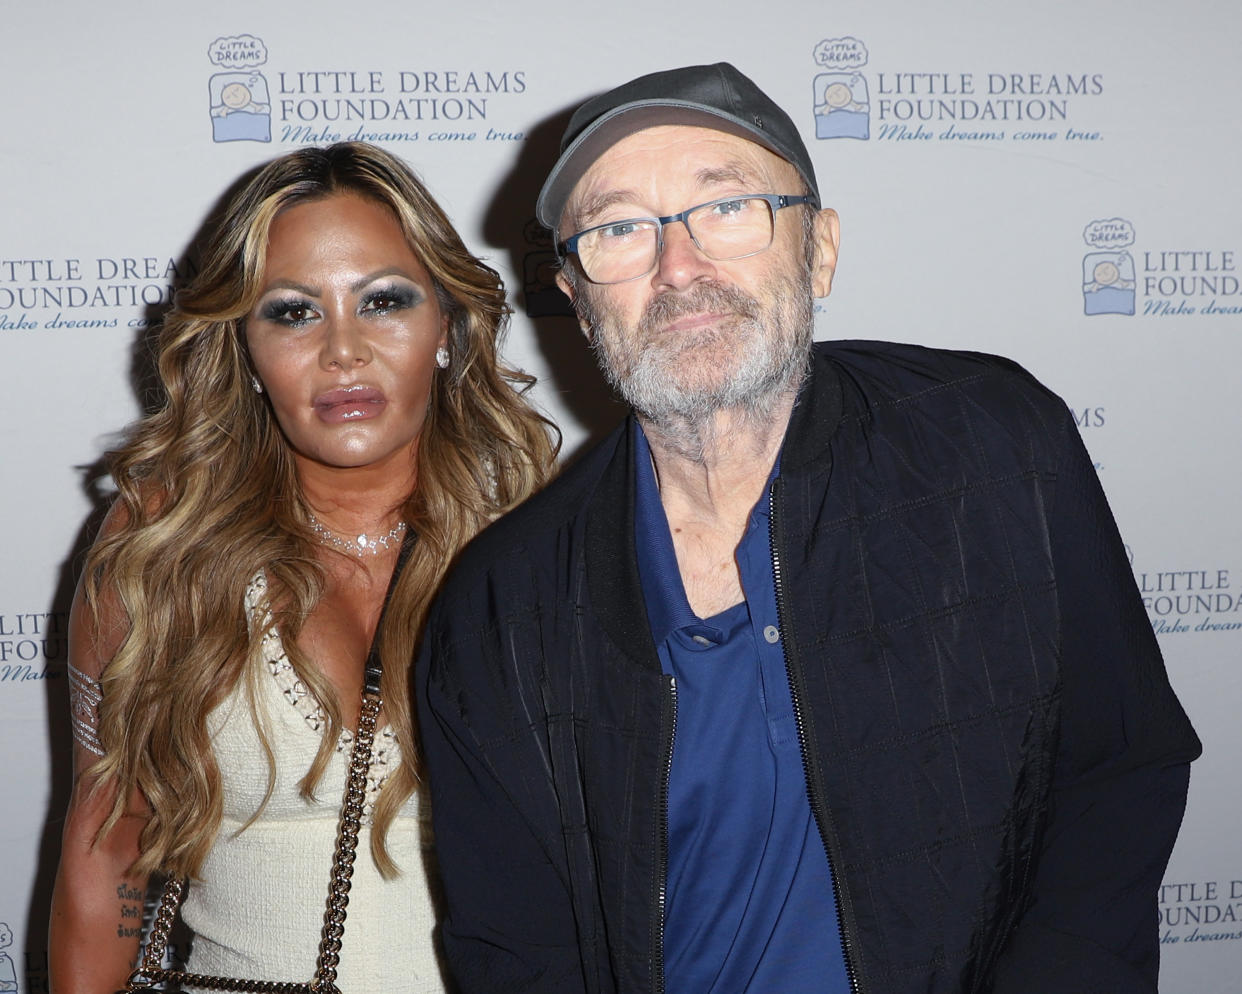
(570, 291)
(827, 235)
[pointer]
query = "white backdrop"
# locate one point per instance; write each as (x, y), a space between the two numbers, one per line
(1053, 181)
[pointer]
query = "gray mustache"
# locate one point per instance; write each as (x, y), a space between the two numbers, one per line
(702, 297)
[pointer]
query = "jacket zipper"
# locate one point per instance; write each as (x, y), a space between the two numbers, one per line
(827, 830)
(661, 860)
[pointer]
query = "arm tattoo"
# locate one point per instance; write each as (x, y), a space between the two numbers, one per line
(129, 926)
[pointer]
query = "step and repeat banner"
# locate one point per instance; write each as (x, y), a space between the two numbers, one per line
(1056, 182)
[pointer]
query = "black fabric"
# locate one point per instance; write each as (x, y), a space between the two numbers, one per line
(999, 762)
(715, 96)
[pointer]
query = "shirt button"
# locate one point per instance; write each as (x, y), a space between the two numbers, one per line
(771, 634)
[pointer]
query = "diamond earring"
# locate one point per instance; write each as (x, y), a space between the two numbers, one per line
(254, 382)
(442, 357)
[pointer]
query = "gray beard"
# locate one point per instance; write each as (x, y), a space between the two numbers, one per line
(678, 384)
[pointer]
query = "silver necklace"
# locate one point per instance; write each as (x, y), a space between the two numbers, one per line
(359, 546)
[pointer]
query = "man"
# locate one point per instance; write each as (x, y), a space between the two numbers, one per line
(826, 671)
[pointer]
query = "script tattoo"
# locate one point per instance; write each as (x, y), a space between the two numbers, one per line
(129, 926)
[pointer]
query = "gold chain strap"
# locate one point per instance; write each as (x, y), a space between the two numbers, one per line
(346, 847)
(170, 901)
(150, 972)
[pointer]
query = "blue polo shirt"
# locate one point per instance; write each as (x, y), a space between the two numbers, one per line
(749, 904)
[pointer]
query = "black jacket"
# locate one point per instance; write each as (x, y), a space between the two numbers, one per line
(993, 753)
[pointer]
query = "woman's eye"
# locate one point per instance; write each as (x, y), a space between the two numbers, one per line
(292, 313)
(383, 301)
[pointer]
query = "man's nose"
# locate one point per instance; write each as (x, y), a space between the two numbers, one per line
(681, 261)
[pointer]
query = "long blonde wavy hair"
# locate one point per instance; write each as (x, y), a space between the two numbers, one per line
(210, 498)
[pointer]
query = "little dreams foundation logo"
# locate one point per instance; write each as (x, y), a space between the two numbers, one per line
(414, 102)
(32, 648)
(1203, 912)
(8, 972)
(1108, 278)
(1178, 282)
(949, 102)
(240, 102)
(1201, 600)
(842, 101)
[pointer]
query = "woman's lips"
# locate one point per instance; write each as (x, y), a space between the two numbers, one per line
(349, 404)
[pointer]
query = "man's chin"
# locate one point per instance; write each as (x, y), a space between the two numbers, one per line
(692, 391)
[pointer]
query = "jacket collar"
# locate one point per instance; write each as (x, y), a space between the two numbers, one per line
(816, 414)
(611, 564)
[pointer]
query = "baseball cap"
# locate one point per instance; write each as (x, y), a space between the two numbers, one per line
(715, 96)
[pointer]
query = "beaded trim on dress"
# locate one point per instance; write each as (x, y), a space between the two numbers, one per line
(384, 752)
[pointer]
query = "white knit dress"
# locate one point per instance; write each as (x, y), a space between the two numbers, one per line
(258, 910)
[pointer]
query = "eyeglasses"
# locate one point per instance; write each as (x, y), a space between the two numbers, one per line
(724, 229)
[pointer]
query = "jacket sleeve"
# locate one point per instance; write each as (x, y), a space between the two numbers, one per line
(508, 924)
(1121, 770)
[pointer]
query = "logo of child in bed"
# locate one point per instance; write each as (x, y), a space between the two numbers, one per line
(841, 101)
(241, 108)
(1108, 282)
(8, 972)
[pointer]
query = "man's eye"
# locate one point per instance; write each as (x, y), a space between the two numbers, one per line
(731, 206)
(621, 229)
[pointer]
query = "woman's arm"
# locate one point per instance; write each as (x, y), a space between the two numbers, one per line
(96, 903)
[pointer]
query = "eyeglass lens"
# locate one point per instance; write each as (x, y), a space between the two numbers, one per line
(730, 229)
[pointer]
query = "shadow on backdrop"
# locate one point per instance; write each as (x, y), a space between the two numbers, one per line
(509, 224)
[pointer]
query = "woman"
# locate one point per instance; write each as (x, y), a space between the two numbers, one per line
(331, 384)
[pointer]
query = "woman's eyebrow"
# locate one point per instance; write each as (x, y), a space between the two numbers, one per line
(379, 274)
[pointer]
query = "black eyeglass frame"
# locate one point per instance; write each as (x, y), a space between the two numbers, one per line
(775, 202)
